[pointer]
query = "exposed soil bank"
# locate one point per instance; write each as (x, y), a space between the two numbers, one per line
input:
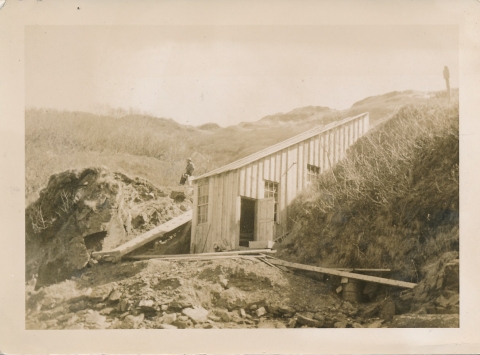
(81, 211)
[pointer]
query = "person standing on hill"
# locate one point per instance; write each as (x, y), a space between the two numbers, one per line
(188, 171)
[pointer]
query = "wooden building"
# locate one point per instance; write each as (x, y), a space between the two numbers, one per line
(245, 203)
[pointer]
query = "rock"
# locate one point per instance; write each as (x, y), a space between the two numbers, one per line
(100, 293)
(181, 303)
(261, 311)
(169, 318)
(376, 323)
(388, 310)
(341, 324)
(95, 318)
(48, 302)
(292, 322)
(214, 317)
(73, 319)
(454, 300)
(451, 278)
(223, 314)
(146, 303)
(115, 296)
(442, 302)
(166, 326)
(107, 310)
(123, 315)
(132, 322)
(266, 324)
(78, 306)
(231, 298)
(51, 323)
(242, 313)
(197, 314)
(426, 321)
(181, 324)
(100, 305)
(223, 281)
(124, 305)
(164, 307)
(209, 326)
(286, 310)
(356, 325)
(319, 316)
(371, 310)
(75, 326)
(309, 322)
(147, 306)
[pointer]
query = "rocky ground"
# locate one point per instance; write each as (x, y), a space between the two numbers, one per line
(82, 211)
(225, 293)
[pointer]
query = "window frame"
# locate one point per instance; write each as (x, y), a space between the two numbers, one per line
(271, 189)
(202, 202)
(313, 172)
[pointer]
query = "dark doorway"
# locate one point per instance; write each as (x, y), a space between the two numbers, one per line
(247, 221)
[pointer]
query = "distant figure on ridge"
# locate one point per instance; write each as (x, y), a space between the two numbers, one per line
(188, 172)
(446, 76)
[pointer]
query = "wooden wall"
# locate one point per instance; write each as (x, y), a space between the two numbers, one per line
(287, 167)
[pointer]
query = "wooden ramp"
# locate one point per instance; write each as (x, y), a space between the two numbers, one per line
(145, 238)
(350, 275)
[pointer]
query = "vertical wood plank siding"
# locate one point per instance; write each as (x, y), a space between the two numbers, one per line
(288, 167)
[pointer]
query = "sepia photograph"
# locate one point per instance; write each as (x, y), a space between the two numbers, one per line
(239, 177)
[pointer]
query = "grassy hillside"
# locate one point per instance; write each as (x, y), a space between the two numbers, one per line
(143, 146)
(393, 202)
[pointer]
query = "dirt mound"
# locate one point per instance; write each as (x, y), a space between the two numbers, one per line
(81, 211)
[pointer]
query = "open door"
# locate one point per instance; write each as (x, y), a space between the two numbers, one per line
(264, 219)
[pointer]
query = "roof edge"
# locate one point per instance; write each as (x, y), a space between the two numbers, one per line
(281, 145)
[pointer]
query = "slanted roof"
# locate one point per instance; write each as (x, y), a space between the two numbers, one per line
(277, 147)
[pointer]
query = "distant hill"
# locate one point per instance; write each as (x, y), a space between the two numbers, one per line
(234, 142)
(212, 127)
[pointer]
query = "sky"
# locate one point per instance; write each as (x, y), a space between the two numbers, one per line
(230, 74)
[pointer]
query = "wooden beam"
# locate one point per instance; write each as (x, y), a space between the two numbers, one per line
(360, 270)
(145, 238)
(351, 275)
(193, 257)
(224, 253)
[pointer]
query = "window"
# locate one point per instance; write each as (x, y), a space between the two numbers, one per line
(312, 173)
(271, 190)
(202, 203)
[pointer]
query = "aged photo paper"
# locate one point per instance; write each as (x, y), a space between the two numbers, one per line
(170, 177)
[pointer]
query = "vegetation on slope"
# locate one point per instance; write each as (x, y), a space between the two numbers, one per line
(151, 148)
(392, 202)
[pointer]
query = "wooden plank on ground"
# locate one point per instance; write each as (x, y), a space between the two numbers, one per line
(223, 253)
(147, 237)
(360, 270)
(194, 257)
(350, 275)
